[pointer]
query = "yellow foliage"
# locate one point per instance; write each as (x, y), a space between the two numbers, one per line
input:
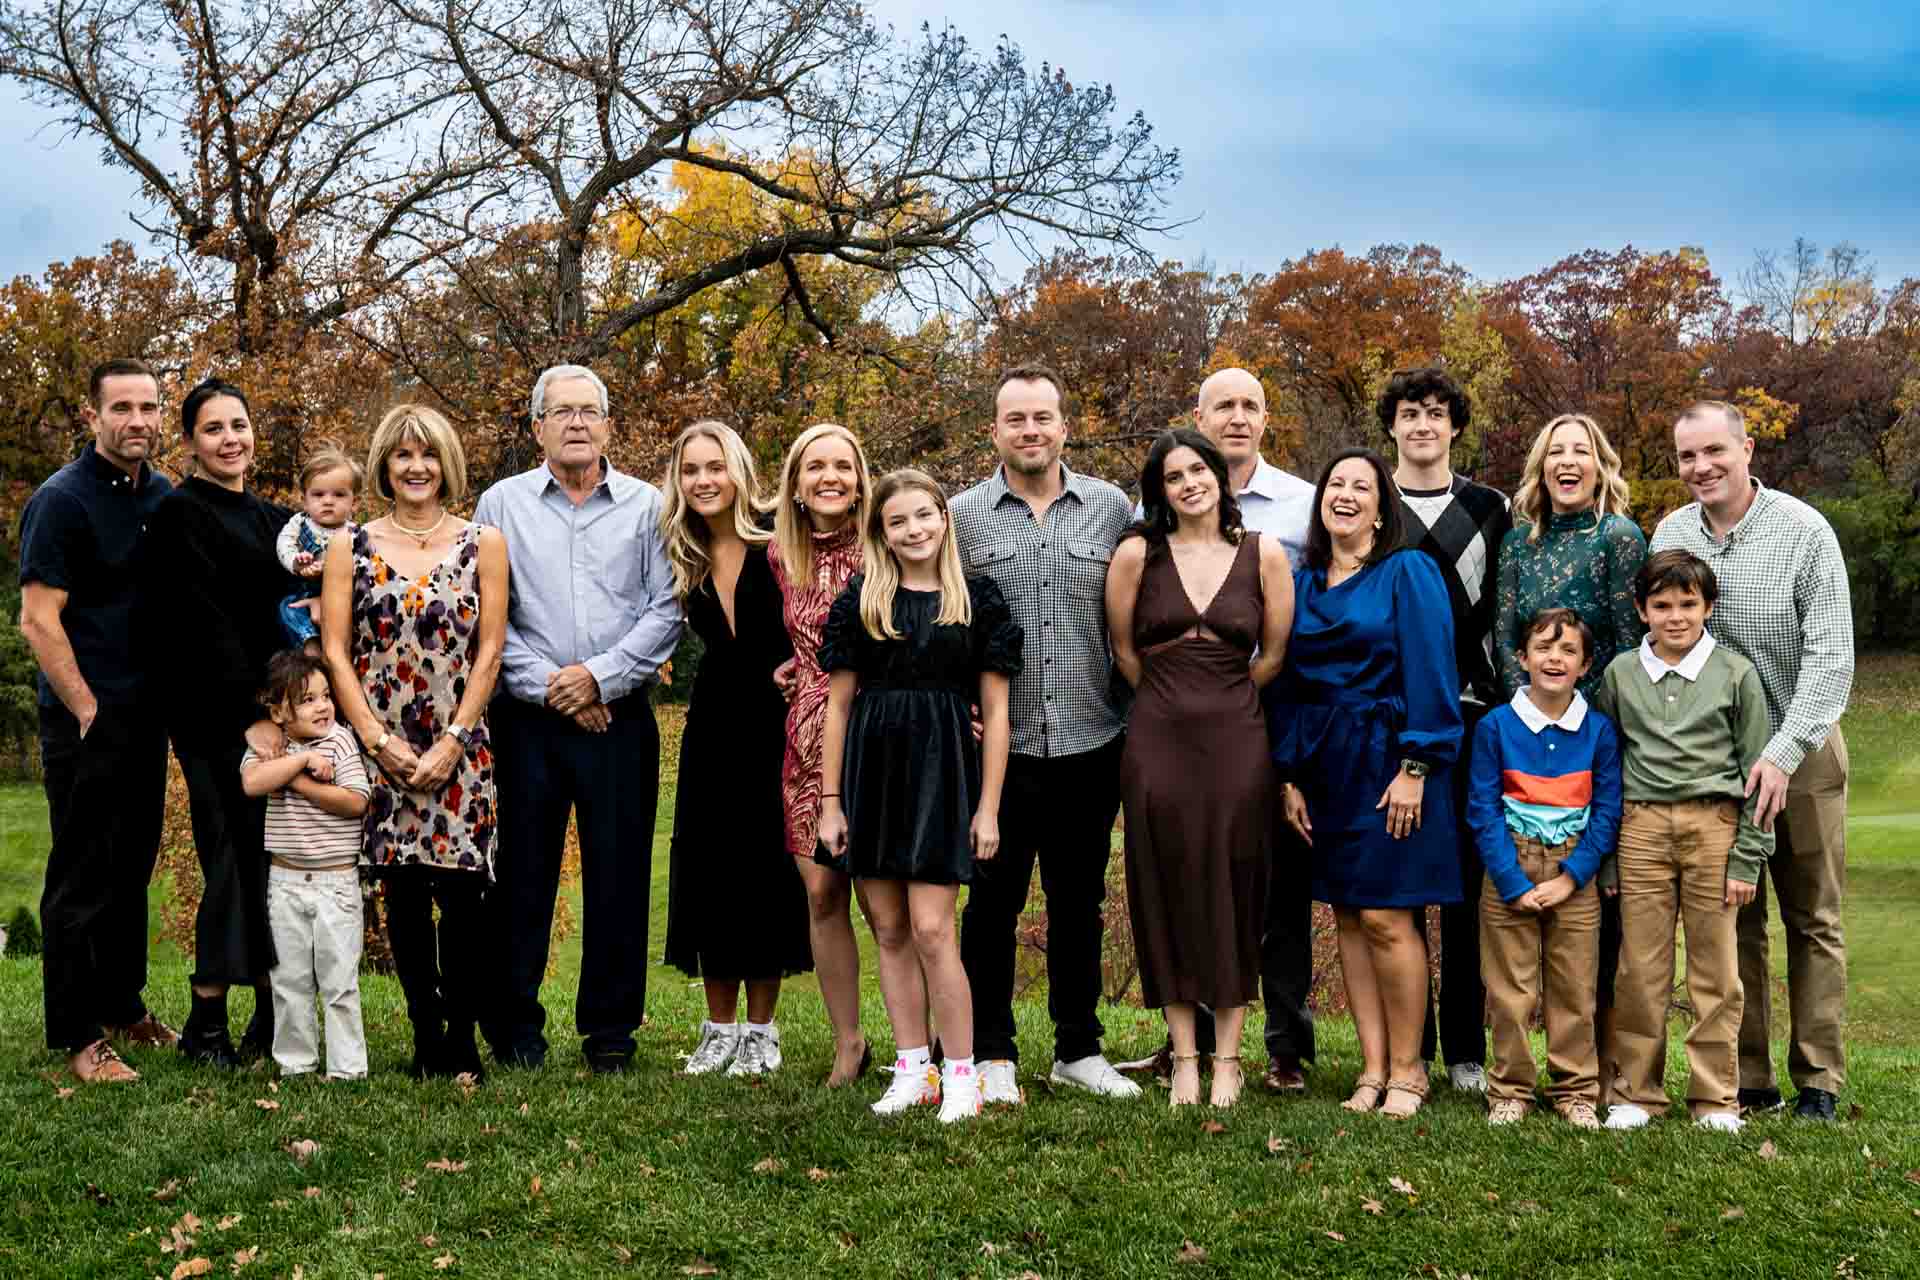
(1767, 418)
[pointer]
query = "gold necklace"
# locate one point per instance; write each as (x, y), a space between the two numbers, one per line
(421, 536)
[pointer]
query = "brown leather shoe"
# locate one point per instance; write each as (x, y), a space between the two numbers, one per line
(99, 1064)
(148, 1033)
(1284, 1075)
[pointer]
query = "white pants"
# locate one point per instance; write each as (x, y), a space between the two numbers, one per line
(315, 917)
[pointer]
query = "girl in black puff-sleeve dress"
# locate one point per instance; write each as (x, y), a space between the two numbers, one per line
(908, 799)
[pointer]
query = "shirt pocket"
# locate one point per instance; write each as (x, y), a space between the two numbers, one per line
(1087, 570)
(996, 561)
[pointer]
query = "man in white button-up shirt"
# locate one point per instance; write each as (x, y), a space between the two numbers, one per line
(591, 618)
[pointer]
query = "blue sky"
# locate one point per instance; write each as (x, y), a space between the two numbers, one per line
(1508, 135)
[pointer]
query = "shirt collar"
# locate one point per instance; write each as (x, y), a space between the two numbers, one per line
(1266, 481)
(1535, 719)
(1688, 667)
(1762, 497)
(1070, 483)
(113, 477)
(608, 477)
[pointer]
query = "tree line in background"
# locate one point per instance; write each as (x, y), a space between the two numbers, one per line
(777, 212)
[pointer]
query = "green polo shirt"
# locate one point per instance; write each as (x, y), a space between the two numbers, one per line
(1692, 734)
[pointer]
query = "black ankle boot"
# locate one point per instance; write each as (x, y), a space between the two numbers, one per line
(257, 1041)
(429, 1052)
(205, 1038)
(460, 1054)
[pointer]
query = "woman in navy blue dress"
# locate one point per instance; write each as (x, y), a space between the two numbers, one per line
(1365, 722)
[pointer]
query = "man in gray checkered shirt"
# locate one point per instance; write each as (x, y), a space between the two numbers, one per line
(1783, 606)
(1045, 535)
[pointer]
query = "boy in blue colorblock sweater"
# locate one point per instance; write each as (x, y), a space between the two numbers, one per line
(1544, 805)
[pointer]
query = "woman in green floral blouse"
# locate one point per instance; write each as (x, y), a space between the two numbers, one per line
(1573, 547)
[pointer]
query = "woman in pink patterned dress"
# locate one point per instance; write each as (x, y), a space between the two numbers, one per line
(413, 621)
(824, 489)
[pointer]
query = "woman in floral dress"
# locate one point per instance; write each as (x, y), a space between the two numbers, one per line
(824, 490)
(413, 620)
(1572, 546)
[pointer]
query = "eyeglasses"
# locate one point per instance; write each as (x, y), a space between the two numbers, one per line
(563, 414)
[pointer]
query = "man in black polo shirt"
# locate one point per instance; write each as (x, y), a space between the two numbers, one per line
(103, 751)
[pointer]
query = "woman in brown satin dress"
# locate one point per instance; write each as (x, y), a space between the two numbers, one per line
(1196, 780)
(824, 492)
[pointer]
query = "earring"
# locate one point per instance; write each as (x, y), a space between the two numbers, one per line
(1376, 524)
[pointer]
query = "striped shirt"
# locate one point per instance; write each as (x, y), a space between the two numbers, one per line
(1053, 572)
(1549, 780)
(299, 832)
(1784, 606)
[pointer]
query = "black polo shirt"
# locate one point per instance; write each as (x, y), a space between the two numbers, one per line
(81, 534)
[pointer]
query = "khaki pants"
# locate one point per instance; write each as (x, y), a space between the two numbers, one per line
(1809, 873)
(317, 932)
(1673, 867)
(1512, 943)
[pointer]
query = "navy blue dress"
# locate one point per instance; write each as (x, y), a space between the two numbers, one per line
(910, 773)
(1370, 680)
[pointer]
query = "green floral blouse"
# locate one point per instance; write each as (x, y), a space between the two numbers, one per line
(1582, 562)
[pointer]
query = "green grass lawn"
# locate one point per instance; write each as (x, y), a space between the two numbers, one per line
(556, 1174)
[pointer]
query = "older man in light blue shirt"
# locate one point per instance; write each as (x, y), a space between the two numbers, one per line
(591, 619)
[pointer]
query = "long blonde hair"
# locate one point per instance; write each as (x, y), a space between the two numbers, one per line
(792, 531)
(685, 532)
(882, 568)
(1531, 504)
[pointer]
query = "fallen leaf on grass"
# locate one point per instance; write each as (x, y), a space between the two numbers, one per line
(99, 1197)
(442, 1262)
(1213, 1126)
(699, 1267)
(988, 1248)
(523, 1108)
(1867, 1152)
(468, 1082)
(818, 1175)
(191, 1267)
(312, 1193)
(241, 1257)
(1028, 1275)
(1913, 1175)
(429, 1240)
(1306, 1166)
(1493, 1197)
(1768, 1151)
(573, 1144)
(1401, 1185)
(63, 1093)
(447, 1166)
(282, 1204)
(229, 1222)
(168, 1192)
(533, 1188)
(1334, 1236)
(302, 1150)
(299, 1272)
(1190, 1252)
(1274, 1142)
(1733, 1211)
(620, 1251)
(770, 1165)
(1373, 1207)
(266, 1104)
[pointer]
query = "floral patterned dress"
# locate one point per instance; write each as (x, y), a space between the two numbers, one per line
(413, 643)
(1581, 561)
(804, 607)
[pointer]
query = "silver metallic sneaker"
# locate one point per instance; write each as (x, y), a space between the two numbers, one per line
(1468, 1077)
(759, 1053)
(716, 1049)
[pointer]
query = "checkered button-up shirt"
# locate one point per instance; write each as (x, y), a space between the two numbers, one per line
(1053, 572)
(1784, 606)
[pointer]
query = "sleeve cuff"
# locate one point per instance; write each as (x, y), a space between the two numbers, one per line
(613, 684)
(1784, 752)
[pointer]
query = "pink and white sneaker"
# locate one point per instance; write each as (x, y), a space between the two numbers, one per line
(960, 1087)
(912, 1087)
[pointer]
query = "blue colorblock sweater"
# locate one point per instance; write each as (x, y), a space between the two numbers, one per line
(1550, 780)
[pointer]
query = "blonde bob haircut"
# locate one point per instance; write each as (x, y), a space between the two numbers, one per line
(1530, 501)
(792, 531)
(882, 569)
(418, 424)
(685, 532)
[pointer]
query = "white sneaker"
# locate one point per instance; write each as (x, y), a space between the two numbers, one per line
(1468, 1077)
(1096, 1075)
(759, 1053)
(716, 1049)
(912, 1087)
(1624, 1115)
(1720, 1121)
(999, 1082)
(959, 1094)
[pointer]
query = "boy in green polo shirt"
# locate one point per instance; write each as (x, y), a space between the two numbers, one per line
(1692, 719)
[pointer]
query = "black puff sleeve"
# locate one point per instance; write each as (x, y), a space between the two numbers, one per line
(998, 641)
(843, 640)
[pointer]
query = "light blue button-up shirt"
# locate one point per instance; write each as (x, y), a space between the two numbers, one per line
(589, 584)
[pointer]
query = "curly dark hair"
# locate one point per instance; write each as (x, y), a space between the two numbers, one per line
(1157, 518)
(1386, 539)
(286, 682)
(1416, 385)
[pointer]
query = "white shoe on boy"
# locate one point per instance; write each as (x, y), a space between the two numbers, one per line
(999, 1082)
(1094, 1074)
(718, 1044)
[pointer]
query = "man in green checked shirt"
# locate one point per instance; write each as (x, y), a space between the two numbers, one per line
(1783, 606)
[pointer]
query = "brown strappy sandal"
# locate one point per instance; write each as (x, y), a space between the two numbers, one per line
(1416, 1088)
(1367, 1091)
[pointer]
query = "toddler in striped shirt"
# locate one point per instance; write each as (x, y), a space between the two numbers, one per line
(317, 793)
(1544, 805)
